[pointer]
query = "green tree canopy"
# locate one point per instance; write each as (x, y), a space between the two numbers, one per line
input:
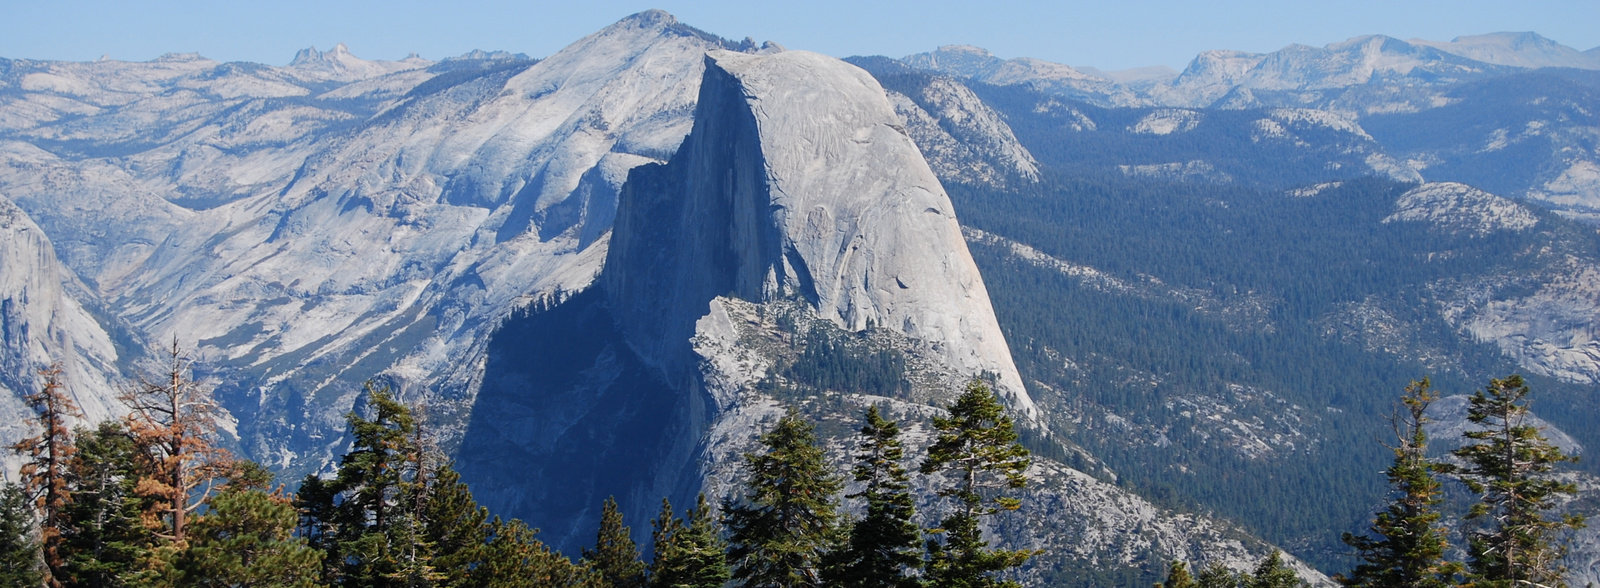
(690, 553)
(245, 538)
(788, 519)
(615, 557)
(978, 453)
(884, 545)
(1509, 463)
(1406, 545)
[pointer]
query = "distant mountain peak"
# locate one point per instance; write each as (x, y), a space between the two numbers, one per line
(1515, 39)
(179, 57)
(970, 49)
(479, 54)
(649, 19)
(311, 56)
(306, 56)
(339, 63)
(1519, 49)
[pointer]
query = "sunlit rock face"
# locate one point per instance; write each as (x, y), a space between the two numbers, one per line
(799, 181)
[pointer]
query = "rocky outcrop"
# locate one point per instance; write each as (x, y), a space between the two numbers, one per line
(798, 181)
(1460, 208)
(963, 139)
(795, 211)
(379, 225)
(980, 65)
(46, 317)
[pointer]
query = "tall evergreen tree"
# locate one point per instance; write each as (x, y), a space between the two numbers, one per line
(1178, 576)
(1218, 576)
(456, 527)
(172, 418)
(1407, 544)
(977, 449)
(245, 538)
(516, 559)
(788, 518)
(690, 553)
(105, 539)
(413, 545)
(316, 503)
(370, 516)
(45, 458)
(19, 551)
(1272, 572)
(1508, 464)
(615, 556)
(884, 545)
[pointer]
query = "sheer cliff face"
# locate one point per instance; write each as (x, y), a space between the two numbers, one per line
(44, 320)
(798, 181)
(796, 209)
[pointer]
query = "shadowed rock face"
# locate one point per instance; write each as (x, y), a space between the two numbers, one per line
(795, 184)
(795, 208)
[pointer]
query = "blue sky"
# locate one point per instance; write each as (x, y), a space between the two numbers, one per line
(1106, 34)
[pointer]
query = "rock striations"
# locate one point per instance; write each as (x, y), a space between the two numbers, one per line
(47, 317)
(796, 209)
(798, 181)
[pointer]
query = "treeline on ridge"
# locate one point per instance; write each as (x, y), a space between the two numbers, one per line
(150, 500)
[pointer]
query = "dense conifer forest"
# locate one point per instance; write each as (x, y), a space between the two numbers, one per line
(152, 500)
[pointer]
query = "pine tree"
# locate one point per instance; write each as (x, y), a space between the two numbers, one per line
(689, 552)
(1218, 576)
(1273, 573)
(105, 538)
(456, 527)
(1407, 544)
(316, 503)
(516, 559)
(788, 518)
(245, 538)
(883, 547)
(19, 551)
(1508, 463)
(172, 419)
(415, 551)
(977, 448)
(44, 464)
(372, 519)
(1178, 577)
(615, 557)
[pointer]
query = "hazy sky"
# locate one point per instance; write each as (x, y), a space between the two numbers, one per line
(1106, 34)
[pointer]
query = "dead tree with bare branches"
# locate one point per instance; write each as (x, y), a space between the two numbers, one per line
(45, 460)
(173, 420)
